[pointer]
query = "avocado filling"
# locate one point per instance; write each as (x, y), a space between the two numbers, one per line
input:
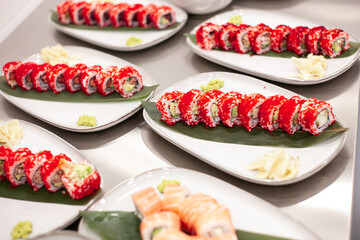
(166, 19)
(303, 44)
(228, 41)
(56, 181)
(130, 84)
(2, 167)
(284, 45)
(76, 171)
(338, 45)
(20, 172)
(265, 40)
(174, 108)
(245, 41)
(156, 231)
(295, 119)
(195, 109)
(255, 113)
(276, 117)
(214, 110)
(234, 112)
(322, 118)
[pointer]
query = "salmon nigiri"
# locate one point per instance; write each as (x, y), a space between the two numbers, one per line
(147, 201)
(157, 222)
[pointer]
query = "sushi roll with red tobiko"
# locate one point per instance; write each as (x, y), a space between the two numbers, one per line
(76, 12)
(289, 113)
(9, 70)
(296, 40)
(147, 202)
(63, 12)
(240, 39)
(117, 14)
(279, 37)
(269, 112)
(207, 36)
(55, 76)
(4, 153)
(249, 110)
(189, 108)
(260, 39)
(88, 79)
(168, 105)
(144, 16)
(38, 77)
(14, 166)
(128, 81)
(334, 42)
(104, 83)
(23, 75)
(313, 38)
(89, 13)
(154, 223)
(102, 14)
(72, 77)
(208, 107)
(163, 17)
(224, 36)
(80, 179)
(228, 108)
(33, 165)
(130, 15)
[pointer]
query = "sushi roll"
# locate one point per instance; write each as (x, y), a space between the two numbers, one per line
(312, 40)
(334, 42)
(51, 174)
(9, 70)
(32, 165)
(88, 79)
(4, 153)
(14, 166)
(296, 40)
(224, 34)
(143, 16)
(206, 36)
(72, 77)
(117, 15)
(279, 37)
(173, 234)
(289, 114)
(147, 202)
(23, 73)
(260, 39)
(63, 12)
(163, 17)
(249, 110)
(79, 179)
(168, 105)
(188, 107)
(38, 77)
(240, 39)
(156, 222)
(102, 14)
(269, 112)
(208, 107)
(55, 76)
(89, 13)
(228, 108)
(104, 83)
(130, 15)
(316, 116)
(76, 12)
(174, 196)
(128, 81)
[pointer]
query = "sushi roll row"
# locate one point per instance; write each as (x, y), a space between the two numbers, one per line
(116, 15)
(261, 38)
(42, 169)
(43, 77)
(199, 216)
(233, 108)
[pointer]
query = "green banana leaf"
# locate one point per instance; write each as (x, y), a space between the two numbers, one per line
(54, 18)
(240, 135)
(25, 192)
(66, 96)
(354, 46)
(117, 225)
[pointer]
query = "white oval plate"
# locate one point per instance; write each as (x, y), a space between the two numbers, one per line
(116, 40)
(200, 7)
(65, 114)
(272, 68)
(233, 158)
(45, 217)
(249, 213)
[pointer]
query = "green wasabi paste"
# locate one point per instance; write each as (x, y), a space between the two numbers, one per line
(213, 84)
(85, 120)
(21, 230)
(236, 20)
(133, 41)
(161, 187)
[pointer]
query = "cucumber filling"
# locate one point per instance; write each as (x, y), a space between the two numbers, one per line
(276, 117)
(322, 118)
(156, 231)
(174, 109)
(303, 44)
(255, 113)
(214, 110)
(130, 84)
(2, 167)
(165, 19)
(245, 41)
(195, 109)
(20, 172)
(228, 43)
(338, 45)
(284, 45)
(265, 40)
(234, 112)
(296, 119)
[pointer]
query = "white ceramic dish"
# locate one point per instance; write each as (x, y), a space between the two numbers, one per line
(65, 114)
(200, 7)
(116, 40)
(45, 217)
(249, 213)
(233, 158)
(272, 68)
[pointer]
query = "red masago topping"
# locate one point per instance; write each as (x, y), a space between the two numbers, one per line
(163, 105)
(72, 77)
(289, 120)
(117, 14)
(188, 107)
(207, 36)
(33, 165)
(4, 153)
(22, 75)
(9, 70)
(14, 166)
(207, 112)
(248, 105)
(279, 37)
(228, 106)
(268, 112)
(313, 39)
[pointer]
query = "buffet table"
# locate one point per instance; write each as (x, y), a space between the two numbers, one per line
(323, 202)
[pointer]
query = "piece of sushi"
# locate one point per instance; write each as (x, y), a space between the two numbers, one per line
(296, 40)
(316, 116)
(224, 36)
(63, 12)
(289, 113)
(72, 77)
(228, 106)
(147, 202)
(174, 196)
(55, 76)
(260, 39)
(38, 77)
(22, 75)
(208, 107)
(51, 174)
(206, 36)
(249, 110)
(144, 16)
(102, 14)
(14, 166)
(156, 222)
(269, 112)
(279, 37)
(173, 234)
(130, 15)
(240, 39)
(32, 165)
(168, 105)
(333, 42)
(163, 17)
(79, 179)
(128, 81)
(104, 83)
(88, 79)
(89, 13)
(117, 14)
(4, 154)
(76, 12)
(312, 40)
(188, 106)
(9, 70)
